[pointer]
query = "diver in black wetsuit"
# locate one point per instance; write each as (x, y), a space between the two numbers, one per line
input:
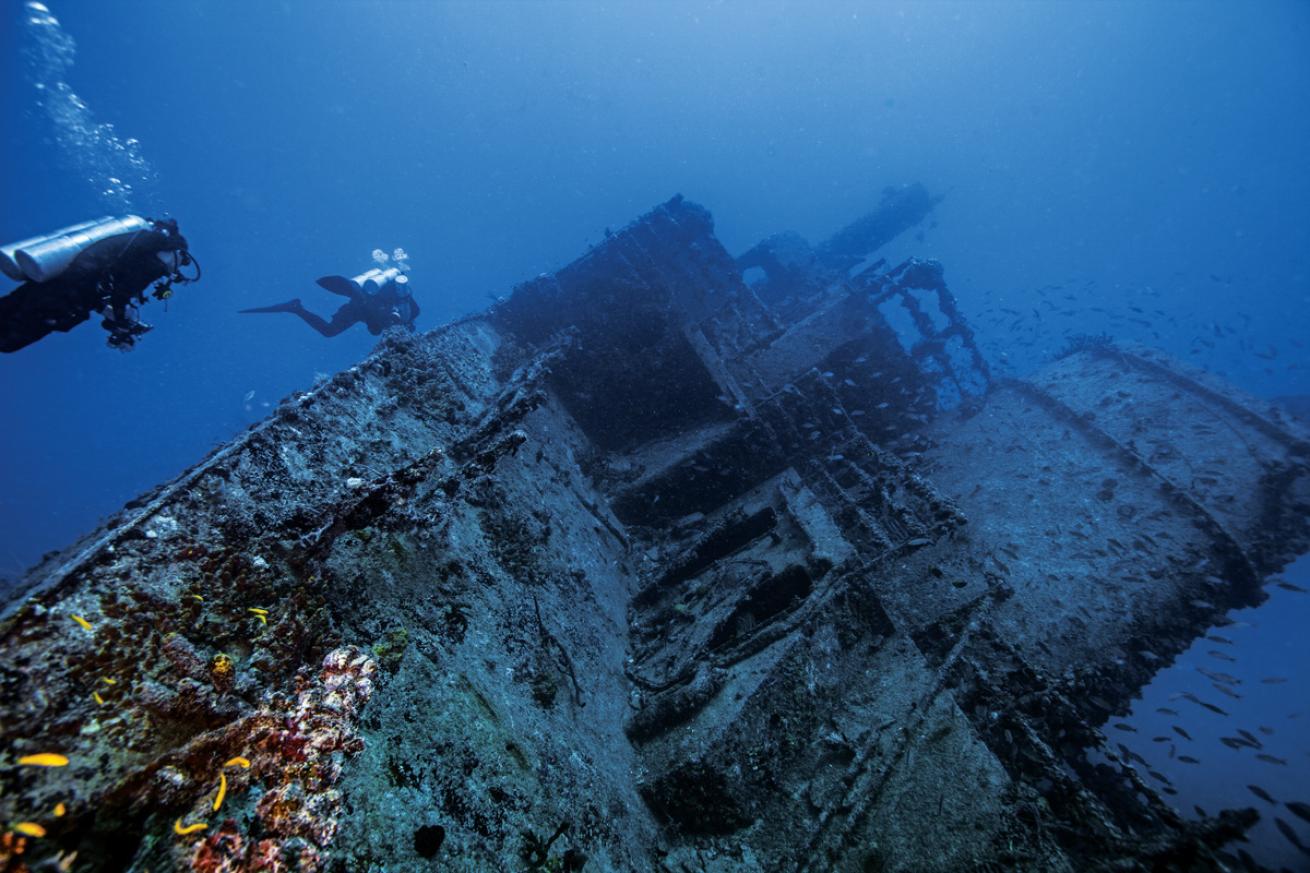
(379, 298)
(103, 266)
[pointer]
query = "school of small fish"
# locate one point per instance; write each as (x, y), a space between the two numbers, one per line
(35, 830)
(1238, 739)
(1018, 335)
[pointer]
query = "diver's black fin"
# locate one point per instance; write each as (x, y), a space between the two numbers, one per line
(289, 306)
(338, 285)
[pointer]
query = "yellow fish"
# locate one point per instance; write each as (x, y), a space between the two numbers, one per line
(182, 830)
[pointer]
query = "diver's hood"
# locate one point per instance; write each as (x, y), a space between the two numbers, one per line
(42, 258)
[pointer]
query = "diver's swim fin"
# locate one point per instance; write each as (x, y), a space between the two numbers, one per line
(289, 306)
(339, 285)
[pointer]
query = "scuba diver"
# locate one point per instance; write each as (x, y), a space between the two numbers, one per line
(104, 266)
(380, 298)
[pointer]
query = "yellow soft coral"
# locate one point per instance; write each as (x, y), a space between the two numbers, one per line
(222, 671)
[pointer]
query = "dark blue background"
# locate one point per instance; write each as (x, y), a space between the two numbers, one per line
(1148, 155)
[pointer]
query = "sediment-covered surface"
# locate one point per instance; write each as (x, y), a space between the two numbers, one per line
(640, 571)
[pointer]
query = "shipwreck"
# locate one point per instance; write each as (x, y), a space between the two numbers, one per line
(669, 560)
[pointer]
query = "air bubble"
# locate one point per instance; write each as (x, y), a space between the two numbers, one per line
(92, 150)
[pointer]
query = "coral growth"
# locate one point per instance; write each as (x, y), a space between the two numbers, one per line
(12, 847)
(298, 758)
(221, 672)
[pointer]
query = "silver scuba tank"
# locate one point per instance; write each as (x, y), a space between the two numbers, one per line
(10, 266)
(45, 260)
(361, 281)
(374, 280)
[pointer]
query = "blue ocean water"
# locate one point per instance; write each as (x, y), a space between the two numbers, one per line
(1137, 169)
